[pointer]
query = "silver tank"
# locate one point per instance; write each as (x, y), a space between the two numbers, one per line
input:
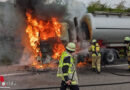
(109, 28)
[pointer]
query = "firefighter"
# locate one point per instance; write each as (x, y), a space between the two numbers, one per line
(96, 56)
(67, 70)
(127, 49)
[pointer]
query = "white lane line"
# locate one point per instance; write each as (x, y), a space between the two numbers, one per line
(4, 87)
(116, 65)
(13, 74)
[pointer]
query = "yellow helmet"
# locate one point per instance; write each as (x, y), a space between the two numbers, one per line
(97, 44)
(71, 46)
(127, 39)
(94, 40)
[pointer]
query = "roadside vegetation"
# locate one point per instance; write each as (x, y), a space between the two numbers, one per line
(5, 61)
(98, 6)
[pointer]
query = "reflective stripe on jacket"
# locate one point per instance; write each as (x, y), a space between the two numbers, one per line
(72, 74)
(96, 50)
(128, 50)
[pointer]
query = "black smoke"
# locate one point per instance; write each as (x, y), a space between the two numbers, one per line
(43, 9)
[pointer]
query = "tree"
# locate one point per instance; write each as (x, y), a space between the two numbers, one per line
(98, 6)
(121, 5)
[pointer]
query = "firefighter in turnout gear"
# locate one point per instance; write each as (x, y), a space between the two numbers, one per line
(67, 69)
(96, 56)
(127, 49)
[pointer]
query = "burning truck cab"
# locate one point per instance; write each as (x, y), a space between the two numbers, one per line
(47, 39)
(46, 30)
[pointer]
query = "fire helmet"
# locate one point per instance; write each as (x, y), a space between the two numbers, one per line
(127, 39)
(71, 46)
(94, 41)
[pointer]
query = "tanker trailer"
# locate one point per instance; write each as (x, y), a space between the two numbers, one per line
(109, 29)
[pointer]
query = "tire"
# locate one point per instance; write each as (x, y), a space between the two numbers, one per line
(110, 57)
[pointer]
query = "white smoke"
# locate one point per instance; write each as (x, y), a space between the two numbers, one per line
(75, 8)
(11, 26)
(78, 9)
(27, 57)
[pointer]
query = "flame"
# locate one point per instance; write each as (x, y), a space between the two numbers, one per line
(82, 64)
(43, 30)
(58, 49)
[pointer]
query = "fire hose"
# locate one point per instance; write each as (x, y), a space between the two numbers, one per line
(118, 74)
(89, 85)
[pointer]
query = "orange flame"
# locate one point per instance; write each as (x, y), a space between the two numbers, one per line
(58, 49)
(81, 64)
(43, 30)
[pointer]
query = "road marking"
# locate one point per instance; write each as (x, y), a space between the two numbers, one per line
(4, 87)
(14, 74)
(116, 65)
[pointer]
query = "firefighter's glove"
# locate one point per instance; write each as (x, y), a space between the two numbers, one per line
(68, 82)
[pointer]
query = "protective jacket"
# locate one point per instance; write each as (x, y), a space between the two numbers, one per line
(128, 49)
(95, 50)
(71, 73)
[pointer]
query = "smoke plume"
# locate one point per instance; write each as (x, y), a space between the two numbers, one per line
(14, 42)
(11, 27)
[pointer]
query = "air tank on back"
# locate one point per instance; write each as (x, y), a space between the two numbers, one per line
(109, 27)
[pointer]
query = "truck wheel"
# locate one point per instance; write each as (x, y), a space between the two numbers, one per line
(110, 57)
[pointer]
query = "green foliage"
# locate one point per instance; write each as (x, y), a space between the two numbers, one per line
(98, 6)
(5, 61)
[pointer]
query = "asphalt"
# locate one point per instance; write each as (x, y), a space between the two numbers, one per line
(112, 77)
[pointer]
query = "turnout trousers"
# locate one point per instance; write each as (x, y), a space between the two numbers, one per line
(96, 63)
(128, 62)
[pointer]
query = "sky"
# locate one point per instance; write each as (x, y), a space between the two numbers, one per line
(111, 3)
(3, 0)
